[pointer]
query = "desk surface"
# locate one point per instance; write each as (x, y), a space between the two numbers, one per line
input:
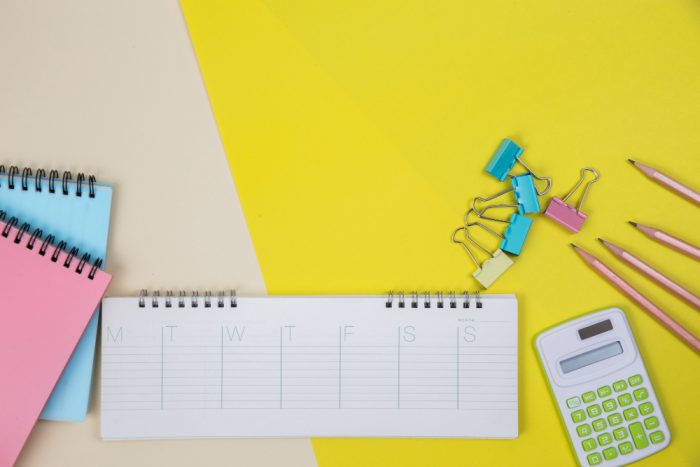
(113, 88)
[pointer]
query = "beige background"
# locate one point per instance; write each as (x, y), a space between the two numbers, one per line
(112, 88)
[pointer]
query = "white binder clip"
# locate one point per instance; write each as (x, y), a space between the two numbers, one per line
(486, 273)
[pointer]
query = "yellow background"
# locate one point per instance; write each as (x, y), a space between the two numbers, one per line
(357, 133)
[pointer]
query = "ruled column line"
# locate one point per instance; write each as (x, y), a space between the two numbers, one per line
(458, 388)
(398, 368)
(161, 367)
(222, 367)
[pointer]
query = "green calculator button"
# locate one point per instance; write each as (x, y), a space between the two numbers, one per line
(577, 416)
(599, 425)
(651, 423)
(646, 408)
(638, 436)
(619, 385)
(588, 444)
(604, 391)
(657, 437)
(624, 399)
(595, 459)
(614, 419)
(630, 414)
(625, 448)
(609, 405)
(635, 380)
(593, 410)
(610, 454)
(588, 396)
(640, 394)
(604, 439)
(620, 433)
(583, 430)
(573, 402)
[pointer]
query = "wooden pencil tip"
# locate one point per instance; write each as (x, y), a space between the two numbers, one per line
(632, 223)
(601, 240)
(631, 161)
(573, 245)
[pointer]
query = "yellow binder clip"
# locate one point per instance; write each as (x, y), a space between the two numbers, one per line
(486, 273)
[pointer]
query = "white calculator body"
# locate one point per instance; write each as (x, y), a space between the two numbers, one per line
(602, 389)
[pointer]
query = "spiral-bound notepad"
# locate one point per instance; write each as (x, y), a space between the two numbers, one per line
(75, 209)
(177, 366)
(49, 292)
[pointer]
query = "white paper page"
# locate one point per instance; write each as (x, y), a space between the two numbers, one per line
(309, 367)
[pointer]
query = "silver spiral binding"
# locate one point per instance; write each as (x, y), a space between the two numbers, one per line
(208, 300)
(26, 175)
(37, 234)
(437, 300)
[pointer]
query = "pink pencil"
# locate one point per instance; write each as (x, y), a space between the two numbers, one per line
(647, 305)
(669, 240)
(668, 182)
(653, 274)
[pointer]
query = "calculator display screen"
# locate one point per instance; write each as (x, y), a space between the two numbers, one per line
(591, 357)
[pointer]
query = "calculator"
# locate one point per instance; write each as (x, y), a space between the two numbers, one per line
(602, 389)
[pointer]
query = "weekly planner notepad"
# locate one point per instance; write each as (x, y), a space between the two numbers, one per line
(177, 366)
(74, 208)
(49, 291)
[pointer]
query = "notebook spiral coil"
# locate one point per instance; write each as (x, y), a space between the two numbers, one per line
(47, 241)
(27, 176)
(438, 300)
(229, 300)
(222, 300)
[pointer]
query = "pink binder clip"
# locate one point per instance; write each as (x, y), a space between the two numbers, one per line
(565, 214)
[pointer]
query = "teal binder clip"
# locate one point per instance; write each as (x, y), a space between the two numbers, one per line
(503, 160)
(516, 233)
(525, 192)
(513, 237)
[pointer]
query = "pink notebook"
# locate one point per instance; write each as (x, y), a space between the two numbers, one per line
(48, 292)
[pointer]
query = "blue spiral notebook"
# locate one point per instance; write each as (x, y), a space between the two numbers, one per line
(74, 208)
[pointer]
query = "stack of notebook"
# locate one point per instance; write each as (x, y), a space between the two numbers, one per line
(53, 241)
